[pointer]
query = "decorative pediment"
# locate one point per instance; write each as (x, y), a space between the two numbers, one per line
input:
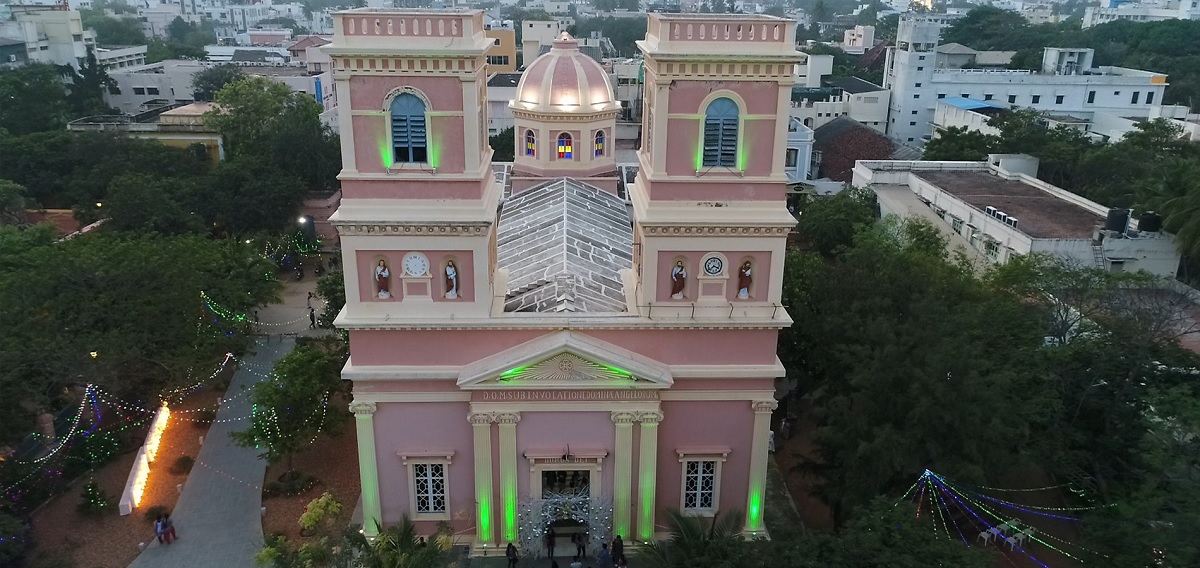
(565, 360)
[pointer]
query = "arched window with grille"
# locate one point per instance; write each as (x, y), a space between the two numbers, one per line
(599, 143)
(408, 129)
(721, 133)
(530, 143)
(565, 149)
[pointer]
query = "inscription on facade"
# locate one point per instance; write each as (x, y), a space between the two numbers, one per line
(569, 395)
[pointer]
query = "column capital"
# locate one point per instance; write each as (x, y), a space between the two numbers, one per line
(507, 417)
(764, 406)
(481, 418)
(624, 417)
(362, 408)
(651, 417)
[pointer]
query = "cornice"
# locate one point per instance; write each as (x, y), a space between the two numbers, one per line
(413, 229)
(563, 117)
(725, 231)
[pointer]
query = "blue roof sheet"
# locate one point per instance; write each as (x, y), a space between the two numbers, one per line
(969, 104)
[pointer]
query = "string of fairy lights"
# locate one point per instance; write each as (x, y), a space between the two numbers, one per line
(952, 505)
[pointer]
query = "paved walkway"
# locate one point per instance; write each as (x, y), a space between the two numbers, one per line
(218, 516)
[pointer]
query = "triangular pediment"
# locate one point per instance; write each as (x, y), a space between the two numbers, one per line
(565, 359)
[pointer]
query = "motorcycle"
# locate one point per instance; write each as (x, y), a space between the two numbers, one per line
(299, 273)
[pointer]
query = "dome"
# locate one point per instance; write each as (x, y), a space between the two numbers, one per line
(564, 80)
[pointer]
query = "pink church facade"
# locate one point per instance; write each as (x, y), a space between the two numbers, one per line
(527, 348)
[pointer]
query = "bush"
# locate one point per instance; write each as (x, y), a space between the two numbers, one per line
(12, 545)
(153, 513)
(203, 418)
(298, 484)
(272, 489)
(182, 465)
(323, 510)
(93, 501)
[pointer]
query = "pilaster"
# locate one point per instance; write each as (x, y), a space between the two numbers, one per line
(758, 465)
(368, 467)
(481, 425)
(508, 474)
(647, 473)
(623, 472)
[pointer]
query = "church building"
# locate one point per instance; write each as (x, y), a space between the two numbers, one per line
(561, 342)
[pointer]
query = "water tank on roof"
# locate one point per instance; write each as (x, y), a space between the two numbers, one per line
(1150, 222)
(1118, 220)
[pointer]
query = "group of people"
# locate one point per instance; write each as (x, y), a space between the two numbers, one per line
(605, 557)
(164, 529)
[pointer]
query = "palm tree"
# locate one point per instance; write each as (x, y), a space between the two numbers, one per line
(399, 546)
(1176, 196)
(696, 540)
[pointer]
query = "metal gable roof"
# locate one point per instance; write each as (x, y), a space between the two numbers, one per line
(564, 244)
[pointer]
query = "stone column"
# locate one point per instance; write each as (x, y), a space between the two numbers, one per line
(368, 467)
(508, 475)
(623, 472)
(757, 489)
(481, 423)
(647, 473)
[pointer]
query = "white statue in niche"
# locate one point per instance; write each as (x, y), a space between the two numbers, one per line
(382, 274)
(678, 280)
(744, 281)
(451, 280)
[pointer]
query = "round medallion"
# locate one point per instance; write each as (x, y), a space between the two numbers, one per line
(415, 264)
(565, 365)
(713, 266)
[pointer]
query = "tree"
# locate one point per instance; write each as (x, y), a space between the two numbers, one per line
(332, 289)
(503, 145)
(908, 361)
(138, 202)
(88, 83)
(12, 203)
(292, 407)
(1175, 193)
(247, 196)
(829, 224)
(262, 120)
(113, 31)
(32, 99)
(957, 143)
(12, 548)
(206, 83)
(134, 300)
(697, 542)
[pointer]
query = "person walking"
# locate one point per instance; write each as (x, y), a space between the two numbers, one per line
(310, 298)
(510, 552)
(158, 528)
(169, 528)
(618, 549)
(550, 537)
(312, 318)
(580, 541)
(604, 558)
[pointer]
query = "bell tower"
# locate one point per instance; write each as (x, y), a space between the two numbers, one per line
(709, 198)
(418, 193)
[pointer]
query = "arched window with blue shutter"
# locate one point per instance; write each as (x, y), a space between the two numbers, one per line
(721, 133)
(408, 129)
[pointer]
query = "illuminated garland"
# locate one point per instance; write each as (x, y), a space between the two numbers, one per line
(74, 427)
(942, 493)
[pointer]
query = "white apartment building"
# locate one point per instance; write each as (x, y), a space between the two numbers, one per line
(918, 76)
(536, 33)
(974, 115)
(1000, 209)
(501, 90)
(1153, 11)
(818, 99)
(157, 17)
(114, 58)
(170, 82)
(857, 40)
(50, 36)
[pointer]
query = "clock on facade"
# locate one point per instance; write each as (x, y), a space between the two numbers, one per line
(713, 266)
(415, 264)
